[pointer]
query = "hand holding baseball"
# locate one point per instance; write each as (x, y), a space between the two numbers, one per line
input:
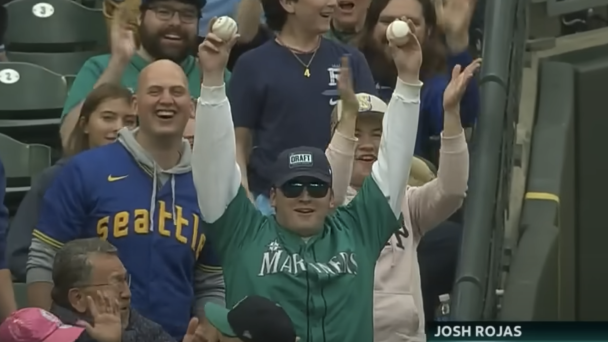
(213, 53)
(405, 49)
(224, 28)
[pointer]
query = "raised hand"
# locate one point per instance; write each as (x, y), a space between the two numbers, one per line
(107, 325)
(213, 53)
(454, 19)
(458, 85)
(408, 58)
(350, 104)
(191, 335)
(122, 40)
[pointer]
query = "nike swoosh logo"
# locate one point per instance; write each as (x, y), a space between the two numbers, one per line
(333, 102)
(114, 179)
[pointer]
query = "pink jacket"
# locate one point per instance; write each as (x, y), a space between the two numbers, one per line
(398, 310)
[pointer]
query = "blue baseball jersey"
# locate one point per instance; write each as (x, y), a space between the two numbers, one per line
(104, 192)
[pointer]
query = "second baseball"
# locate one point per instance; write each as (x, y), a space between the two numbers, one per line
(224, 28)
(398, 32)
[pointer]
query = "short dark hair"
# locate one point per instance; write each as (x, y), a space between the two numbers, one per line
(78, 141)
(72, 267)
(276, 15)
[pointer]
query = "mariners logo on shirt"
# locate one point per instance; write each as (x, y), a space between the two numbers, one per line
(278, 260)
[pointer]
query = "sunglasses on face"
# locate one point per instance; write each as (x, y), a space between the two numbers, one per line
(293, 189)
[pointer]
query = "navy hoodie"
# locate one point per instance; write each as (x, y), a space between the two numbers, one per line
(20, 232)
(3, 218)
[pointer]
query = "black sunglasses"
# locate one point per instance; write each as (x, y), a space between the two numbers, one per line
(295, 188)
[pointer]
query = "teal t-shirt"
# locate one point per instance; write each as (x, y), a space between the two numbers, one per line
(95, 66)
(324, 284)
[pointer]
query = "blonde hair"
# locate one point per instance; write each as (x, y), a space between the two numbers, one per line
(420, 173)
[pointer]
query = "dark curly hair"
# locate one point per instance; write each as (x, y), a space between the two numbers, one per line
(433, 49)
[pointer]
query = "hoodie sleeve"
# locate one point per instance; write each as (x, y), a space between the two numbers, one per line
(231, 218)
(435, 201)
(3, 218)
(62, 215)
(208, 280)
(25, 220)
(341, 153)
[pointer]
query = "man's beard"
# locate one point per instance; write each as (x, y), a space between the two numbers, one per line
(153, 46)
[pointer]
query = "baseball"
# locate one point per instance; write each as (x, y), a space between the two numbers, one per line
(225, 28)
(398, 32)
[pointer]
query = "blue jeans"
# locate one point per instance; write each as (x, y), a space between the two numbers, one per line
(263, 204)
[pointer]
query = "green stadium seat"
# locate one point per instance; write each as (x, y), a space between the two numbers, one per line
(20, 295)
(53, 22)
(64, 63)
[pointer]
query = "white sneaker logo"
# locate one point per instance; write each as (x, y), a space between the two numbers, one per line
(333, 102)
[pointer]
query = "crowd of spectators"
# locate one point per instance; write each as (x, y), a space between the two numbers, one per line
(300, 181)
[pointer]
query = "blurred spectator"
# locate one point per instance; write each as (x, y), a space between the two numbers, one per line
(253, 319)
(348, 19)
(168, 30)
(137, 193)
(189, 132)
(215, 8)
(84, 268)
(282, 93)
(105, 111)
(37, 325)
(451, 19)
(7, 297)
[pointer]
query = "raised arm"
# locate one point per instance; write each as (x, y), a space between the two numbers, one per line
(435, 201)
(216, 174)
(223, 202)
(391, 170)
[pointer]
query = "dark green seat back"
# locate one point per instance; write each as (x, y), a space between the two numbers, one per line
(22, 160)
(20, 295)
(64, 63)
(29, 87)
(54, 22)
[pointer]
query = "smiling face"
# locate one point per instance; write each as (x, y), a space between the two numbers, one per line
(314, 15)
(169, 30)
(163, 101)
(350, 14)
(106, 120)
(302, 204)
(368, 133)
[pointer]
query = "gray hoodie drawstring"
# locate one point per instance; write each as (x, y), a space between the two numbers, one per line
(153, 199)
(173, 200)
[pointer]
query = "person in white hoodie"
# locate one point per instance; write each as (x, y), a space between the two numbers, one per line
(398, 309)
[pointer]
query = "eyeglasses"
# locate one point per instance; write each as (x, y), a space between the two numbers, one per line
(293, 189)
(118, 284)
(166, 14)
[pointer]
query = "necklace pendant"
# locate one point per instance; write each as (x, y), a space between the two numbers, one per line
(307, 72)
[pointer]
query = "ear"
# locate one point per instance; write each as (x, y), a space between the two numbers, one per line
(332, 200)
(273, 197)
(288, 6)
(134, 104)
(82, 122)
(77, 300)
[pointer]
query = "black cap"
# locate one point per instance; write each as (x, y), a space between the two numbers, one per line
(301, 162)
(253, 319)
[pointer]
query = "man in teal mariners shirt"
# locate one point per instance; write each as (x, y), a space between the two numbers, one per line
(168, 30)
(318, 265)
(138, 194)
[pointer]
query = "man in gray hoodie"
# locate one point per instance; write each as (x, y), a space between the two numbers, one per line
(138, 194)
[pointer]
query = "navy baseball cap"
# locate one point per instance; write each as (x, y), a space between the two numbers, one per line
(301, 162)
(253, 319)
